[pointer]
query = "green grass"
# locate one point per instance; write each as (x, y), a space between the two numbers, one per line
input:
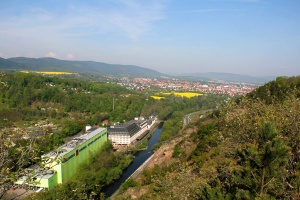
(142, 146)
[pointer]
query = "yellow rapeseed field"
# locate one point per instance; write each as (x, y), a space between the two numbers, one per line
(54, 73)
(49, 73)
(184, 94)
(180, 94)
(157, 97)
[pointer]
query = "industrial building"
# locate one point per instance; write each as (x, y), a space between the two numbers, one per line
(126, 133)
(63, 163)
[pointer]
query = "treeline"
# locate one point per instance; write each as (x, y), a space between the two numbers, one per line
(277, 90)
(249, 150)
(22, 89)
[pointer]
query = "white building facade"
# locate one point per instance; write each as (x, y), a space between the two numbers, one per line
(126, 133)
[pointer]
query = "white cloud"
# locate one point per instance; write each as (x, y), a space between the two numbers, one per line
(136, 18)
(130, 17)
(47, 28)
(52, 55)
(69, 56)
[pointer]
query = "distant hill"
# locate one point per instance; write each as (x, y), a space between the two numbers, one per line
(7, 64)
(116, 70)
(228, 77)
(88, 67)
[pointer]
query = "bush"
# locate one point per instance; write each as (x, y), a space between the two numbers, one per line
(129, 183)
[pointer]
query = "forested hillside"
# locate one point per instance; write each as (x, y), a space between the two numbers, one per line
(277, 91)
(38, 113)
(86, 67)
(27, 97)
(249, 150)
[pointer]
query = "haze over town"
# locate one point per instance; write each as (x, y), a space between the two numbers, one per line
(253, 37)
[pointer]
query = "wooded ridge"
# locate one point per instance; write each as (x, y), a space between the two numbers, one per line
(87, 67)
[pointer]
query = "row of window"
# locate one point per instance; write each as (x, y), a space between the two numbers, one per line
(97, 138)
(82, 148)
(66, 159)
(71, 156)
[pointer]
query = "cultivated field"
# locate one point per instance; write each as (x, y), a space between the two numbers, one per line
(49, 73)
(157, 97)
(54, 73)
(180, 94)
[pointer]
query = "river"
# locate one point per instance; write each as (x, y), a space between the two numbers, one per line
(140, 158)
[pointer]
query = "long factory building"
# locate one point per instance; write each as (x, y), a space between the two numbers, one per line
(63, 163)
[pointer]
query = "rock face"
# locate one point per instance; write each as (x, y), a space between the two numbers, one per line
(136, 193)
(163, 157)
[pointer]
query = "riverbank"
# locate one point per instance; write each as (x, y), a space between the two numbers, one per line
(161, 157)
(142, 144)
(140, 158)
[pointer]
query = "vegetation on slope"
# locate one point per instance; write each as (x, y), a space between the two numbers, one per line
(277, 90)
(90, 67)
(250, 150)
(30, 96)
(26, 99)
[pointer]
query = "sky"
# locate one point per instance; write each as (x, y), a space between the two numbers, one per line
(251, 37)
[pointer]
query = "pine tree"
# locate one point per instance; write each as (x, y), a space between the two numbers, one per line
(263, 163)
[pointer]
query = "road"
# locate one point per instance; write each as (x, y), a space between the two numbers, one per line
(187, 119)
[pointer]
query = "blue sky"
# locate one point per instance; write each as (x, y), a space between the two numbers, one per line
(253, 37)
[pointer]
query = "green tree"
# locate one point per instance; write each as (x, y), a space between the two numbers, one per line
(71, 128)
(129, 183)
(263, 162)
(15, 155)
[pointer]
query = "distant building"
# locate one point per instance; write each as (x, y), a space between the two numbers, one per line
(126, 133)
(64, 162)
(105, 122)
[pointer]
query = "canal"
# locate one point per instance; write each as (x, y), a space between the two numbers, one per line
(140, 158)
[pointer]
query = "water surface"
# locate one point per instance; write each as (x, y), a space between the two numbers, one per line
(140, 158)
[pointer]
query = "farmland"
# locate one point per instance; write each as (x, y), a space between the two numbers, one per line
(48, 73)
(55, 73)
(157, 97)
(180, 94)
